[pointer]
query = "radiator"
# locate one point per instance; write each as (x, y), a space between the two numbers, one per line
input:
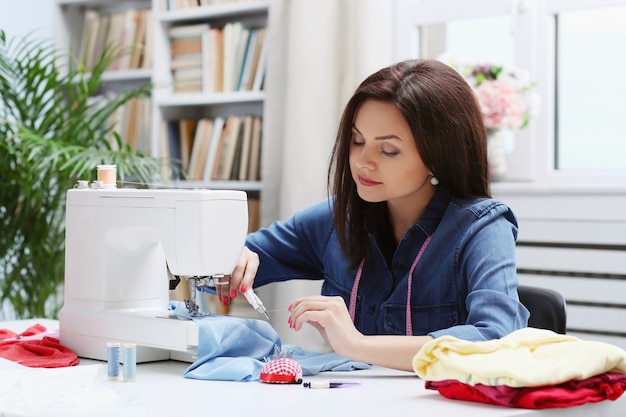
(573, 240)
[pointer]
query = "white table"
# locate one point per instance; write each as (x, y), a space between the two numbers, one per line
(161, 390)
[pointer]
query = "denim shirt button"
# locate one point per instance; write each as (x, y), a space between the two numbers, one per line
(371, 309)
(400, 266)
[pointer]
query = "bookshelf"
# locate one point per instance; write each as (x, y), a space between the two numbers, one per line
(166, 105)
(203, 99)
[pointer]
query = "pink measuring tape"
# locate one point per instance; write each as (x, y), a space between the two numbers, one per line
(357, 280)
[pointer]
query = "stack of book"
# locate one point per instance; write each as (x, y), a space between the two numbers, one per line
(186, 56)
(132, 122)
(213, 149)
(128, 34)
(207, 59)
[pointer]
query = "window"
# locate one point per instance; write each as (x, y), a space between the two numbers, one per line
(591, 89)
(575, 51)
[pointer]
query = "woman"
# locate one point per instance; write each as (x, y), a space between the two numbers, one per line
(410, 245)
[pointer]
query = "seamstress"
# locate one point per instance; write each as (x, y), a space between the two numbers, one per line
(410, 244)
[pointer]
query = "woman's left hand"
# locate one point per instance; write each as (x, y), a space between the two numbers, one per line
(329, 315)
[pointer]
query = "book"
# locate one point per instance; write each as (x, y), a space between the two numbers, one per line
(215, 149)
(259, 75)
(244, 159)
(217, 57)
(255, 149)
(200, 149)
(129, 27)
(240, 56)
(103, 30)
(187, 129)
(173, 147)
(187, 31)
(90, 19)
(134, 114)
(138, 42)
(148, 52)
(206, 62)
(188, 73)
(186, 61)
(182, 46)
(231, 34)
(233, 172)
(247, 61)
(188, 86)
(146, 126)
(228, 148)
(164, 153)
(256, 57)
(254, 214)
(114, 36)
(212, 61)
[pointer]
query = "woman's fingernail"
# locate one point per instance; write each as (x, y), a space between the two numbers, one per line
(226, 300)
(243, 288)
(233, 293)
(289, 308)
(289, 321)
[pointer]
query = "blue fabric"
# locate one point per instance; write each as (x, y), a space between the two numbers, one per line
(465, 284)
(235, 348)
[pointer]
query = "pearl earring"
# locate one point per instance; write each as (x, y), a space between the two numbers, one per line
(434, 180)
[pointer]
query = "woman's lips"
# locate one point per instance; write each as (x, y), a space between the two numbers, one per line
(367, 181)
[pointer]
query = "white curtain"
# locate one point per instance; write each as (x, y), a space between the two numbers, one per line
(320, 51)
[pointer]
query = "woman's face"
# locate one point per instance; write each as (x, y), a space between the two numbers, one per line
(384, 160)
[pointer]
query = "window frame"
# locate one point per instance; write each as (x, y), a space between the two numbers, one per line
(533, 157)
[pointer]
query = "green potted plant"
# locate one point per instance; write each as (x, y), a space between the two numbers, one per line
(54, 130)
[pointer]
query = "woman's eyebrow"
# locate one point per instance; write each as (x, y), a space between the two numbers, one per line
(384, 137)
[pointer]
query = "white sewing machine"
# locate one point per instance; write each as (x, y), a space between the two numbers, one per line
(120, 245)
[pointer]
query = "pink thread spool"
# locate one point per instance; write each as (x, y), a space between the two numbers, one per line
(107, 174)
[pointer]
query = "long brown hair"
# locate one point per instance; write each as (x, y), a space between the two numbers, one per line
(445, 120)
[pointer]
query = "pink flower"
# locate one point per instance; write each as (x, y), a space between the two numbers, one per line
(504, 93)
(502, 105)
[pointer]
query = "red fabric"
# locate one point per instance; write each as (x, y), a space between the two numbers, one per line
(44, 353)
(607, 386)
(32, 330)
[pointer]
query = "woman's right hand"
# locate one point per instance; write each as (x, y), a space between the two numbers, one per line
(242, 277)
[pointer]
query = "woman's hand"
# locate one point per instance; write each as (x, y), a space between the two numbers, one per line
(329, 315)
(241, 278)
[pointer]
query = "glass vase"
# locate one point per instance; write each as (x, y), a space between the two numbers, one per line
(496, 155)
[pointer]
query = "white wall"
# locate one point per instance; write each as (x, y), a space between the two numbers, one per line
(18, 18)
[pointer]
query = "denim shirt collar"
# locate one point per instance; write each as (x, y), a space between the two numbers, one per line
(427, 223)
(433, 214)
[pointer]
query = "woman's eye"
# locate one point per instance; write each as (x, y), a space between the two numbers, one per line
(389, 152)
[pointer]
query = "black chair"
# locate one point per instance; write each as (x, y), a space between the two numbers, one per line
(546, 306)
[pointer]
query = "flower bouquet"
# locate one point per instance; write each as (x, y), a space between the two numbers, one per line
(505, 94)
(507, 102)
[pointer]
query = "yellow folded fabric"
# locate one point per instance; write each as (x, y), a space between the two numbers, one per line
(525, 358)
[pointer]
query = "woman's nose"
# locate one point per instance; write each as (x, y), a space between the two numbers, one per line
(364, 158)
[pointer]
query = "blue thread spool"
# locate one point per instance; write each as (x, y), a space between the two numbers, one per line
(130, 362)
(113, 360)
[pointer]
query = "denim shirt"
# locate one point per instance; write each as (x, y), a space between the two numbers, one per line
(464, 285)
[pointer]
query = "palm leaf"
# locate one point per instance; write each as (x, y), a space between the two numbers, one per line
(54, 130)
